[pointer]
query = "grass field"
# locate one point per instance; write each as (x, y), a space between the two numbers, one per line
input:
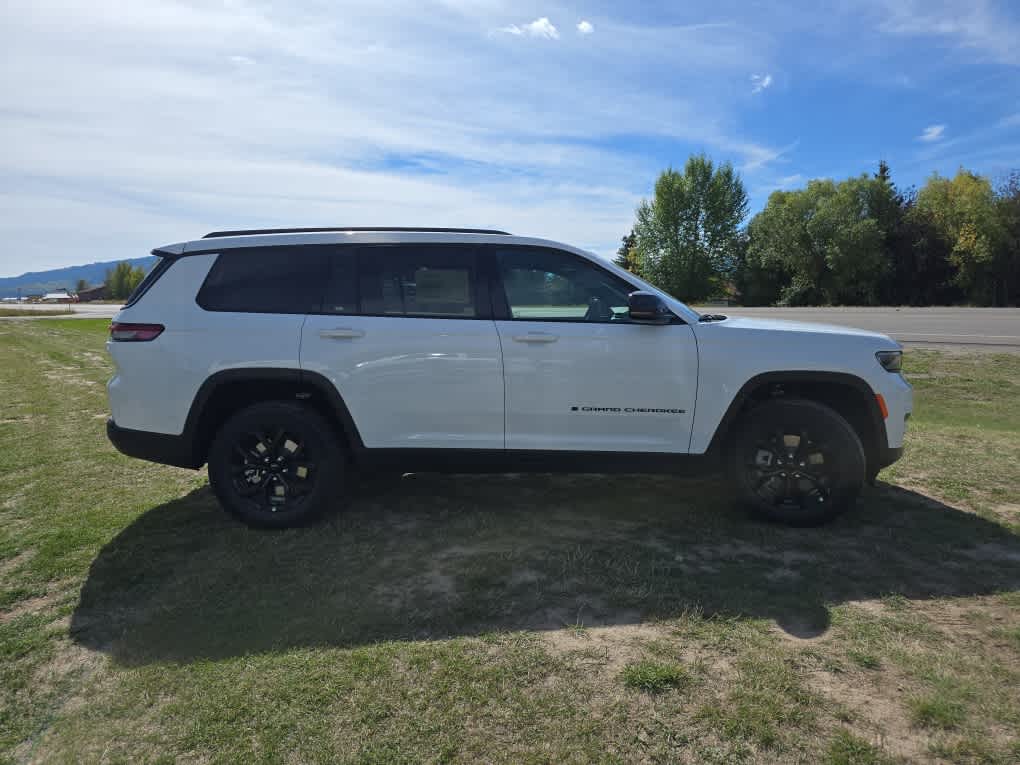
(7, 312)
(503, 618)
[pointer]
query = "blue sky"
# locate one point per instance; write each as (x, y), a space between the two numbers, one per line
(129, 125)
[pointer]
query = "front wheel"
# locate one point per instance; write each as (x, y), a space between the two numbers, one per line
(797, 462)
(276, 464)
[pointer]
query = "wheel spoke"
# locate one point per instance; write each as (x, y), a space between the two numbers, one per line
(271, 468)
(786, 466)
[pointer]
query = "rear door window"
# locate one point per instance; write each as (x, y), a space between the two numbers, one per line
(428, 281)
(267, 280)
(341, 295)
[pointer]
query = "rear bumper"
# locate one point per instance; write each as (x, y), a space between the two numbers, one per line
(155, 447)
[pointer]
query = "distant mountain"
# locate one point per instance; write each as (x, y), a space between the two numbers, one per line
(38, 282)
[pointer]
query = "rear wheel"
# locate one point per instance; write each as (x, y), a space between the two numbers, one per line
(797, 462)
(276, 464)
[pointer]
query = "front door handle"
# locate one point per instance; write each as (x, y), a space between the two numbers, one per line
(536, 337)
(342, 333)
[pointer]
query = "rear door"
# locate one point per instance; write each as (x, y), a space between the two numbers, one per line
(405, 334)
(579, 374)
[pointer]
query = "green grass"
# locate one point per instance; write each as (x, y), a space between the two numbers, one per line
(937, 712)
(9, 312)
(502, 618)
(848, 749)
(654, 677)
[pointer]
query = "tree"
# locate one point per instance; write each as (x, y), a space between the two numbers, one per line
(122, 280)
(81, 286)
(627, 254)
(920, 270)
(828, 239)
(964, 213)
(688, 236)
(1007, 262)
(755, 282)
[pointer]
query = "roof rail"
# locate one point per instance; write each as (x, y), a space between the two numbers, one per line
(248, 232)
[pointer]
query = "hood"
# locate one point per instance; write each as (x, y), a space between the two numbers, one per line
(749, 323)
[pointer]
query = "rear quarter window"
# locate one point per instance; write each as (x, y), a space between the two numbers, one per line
(160, 268)
(266, 280)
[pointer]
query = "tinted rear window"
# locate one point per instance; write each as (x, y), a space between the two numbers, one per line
(266, 280)
(433, 281)
(150, 278)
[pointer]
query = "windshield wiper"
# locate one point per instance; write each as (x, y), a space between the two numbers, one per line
(706, 317)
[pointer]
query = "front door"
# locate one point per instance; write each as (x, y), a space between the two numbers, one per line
(579, 374)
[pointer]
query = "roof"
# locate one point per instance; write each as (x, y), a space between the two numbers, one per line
(221, 240)
(428, 229)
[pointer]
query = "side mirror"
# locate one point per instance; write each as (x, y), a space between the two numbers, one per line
(646, 308)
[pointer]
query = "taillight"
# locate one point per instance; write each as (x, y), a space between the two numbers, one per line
(134, 333)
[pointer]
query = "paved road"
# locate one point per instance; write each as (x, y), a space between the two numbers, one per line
(991, 328)
(938, 327)
(79, 310)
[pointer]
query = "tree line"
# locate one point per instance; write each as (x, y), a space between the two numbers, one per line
(859, 241)
(120, 281)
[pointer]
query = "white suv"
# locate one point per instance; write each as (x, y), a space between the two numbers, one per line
(286, 358)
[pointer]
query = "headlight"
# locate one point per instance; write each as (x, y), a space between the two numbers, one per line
(891, 361)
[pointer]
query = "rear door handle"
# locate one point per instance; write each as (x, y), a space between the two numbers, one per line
(341, 333)
(536, 337)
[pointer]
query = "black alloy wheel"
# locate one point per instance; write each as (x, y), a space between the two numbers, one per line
(274, 471)
(791, 469)
(797, 462)
(276, 464)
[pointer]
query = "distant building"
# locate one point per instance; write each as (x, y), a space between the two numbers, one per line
(94, 293)
(60, 296)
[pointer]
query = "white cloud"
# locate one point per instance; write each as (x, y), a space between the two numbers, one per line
(932, 133)
(760, 82)
(585, 27)
(974, 24)
(1011, 120)
(538, 28)
(134, 125)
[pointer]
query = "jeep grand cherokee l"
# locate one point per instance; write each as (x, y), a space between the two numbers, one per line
(286, 359)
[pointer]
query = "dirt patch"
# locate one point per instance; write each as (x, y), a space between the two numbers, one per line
(876, 707)
(23, 418)
(11, 564)
(67, 676)
(30, 606)
(1008, 512)
(604, 649)
(69, 379)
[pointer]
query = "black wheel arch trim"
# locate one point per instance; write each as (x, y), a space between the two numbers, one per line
(800, 377)
(188, 449)
(312, 381)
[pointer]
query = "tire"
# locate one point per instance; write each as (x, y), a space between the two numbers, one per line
(797, 462)
(276, 464)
